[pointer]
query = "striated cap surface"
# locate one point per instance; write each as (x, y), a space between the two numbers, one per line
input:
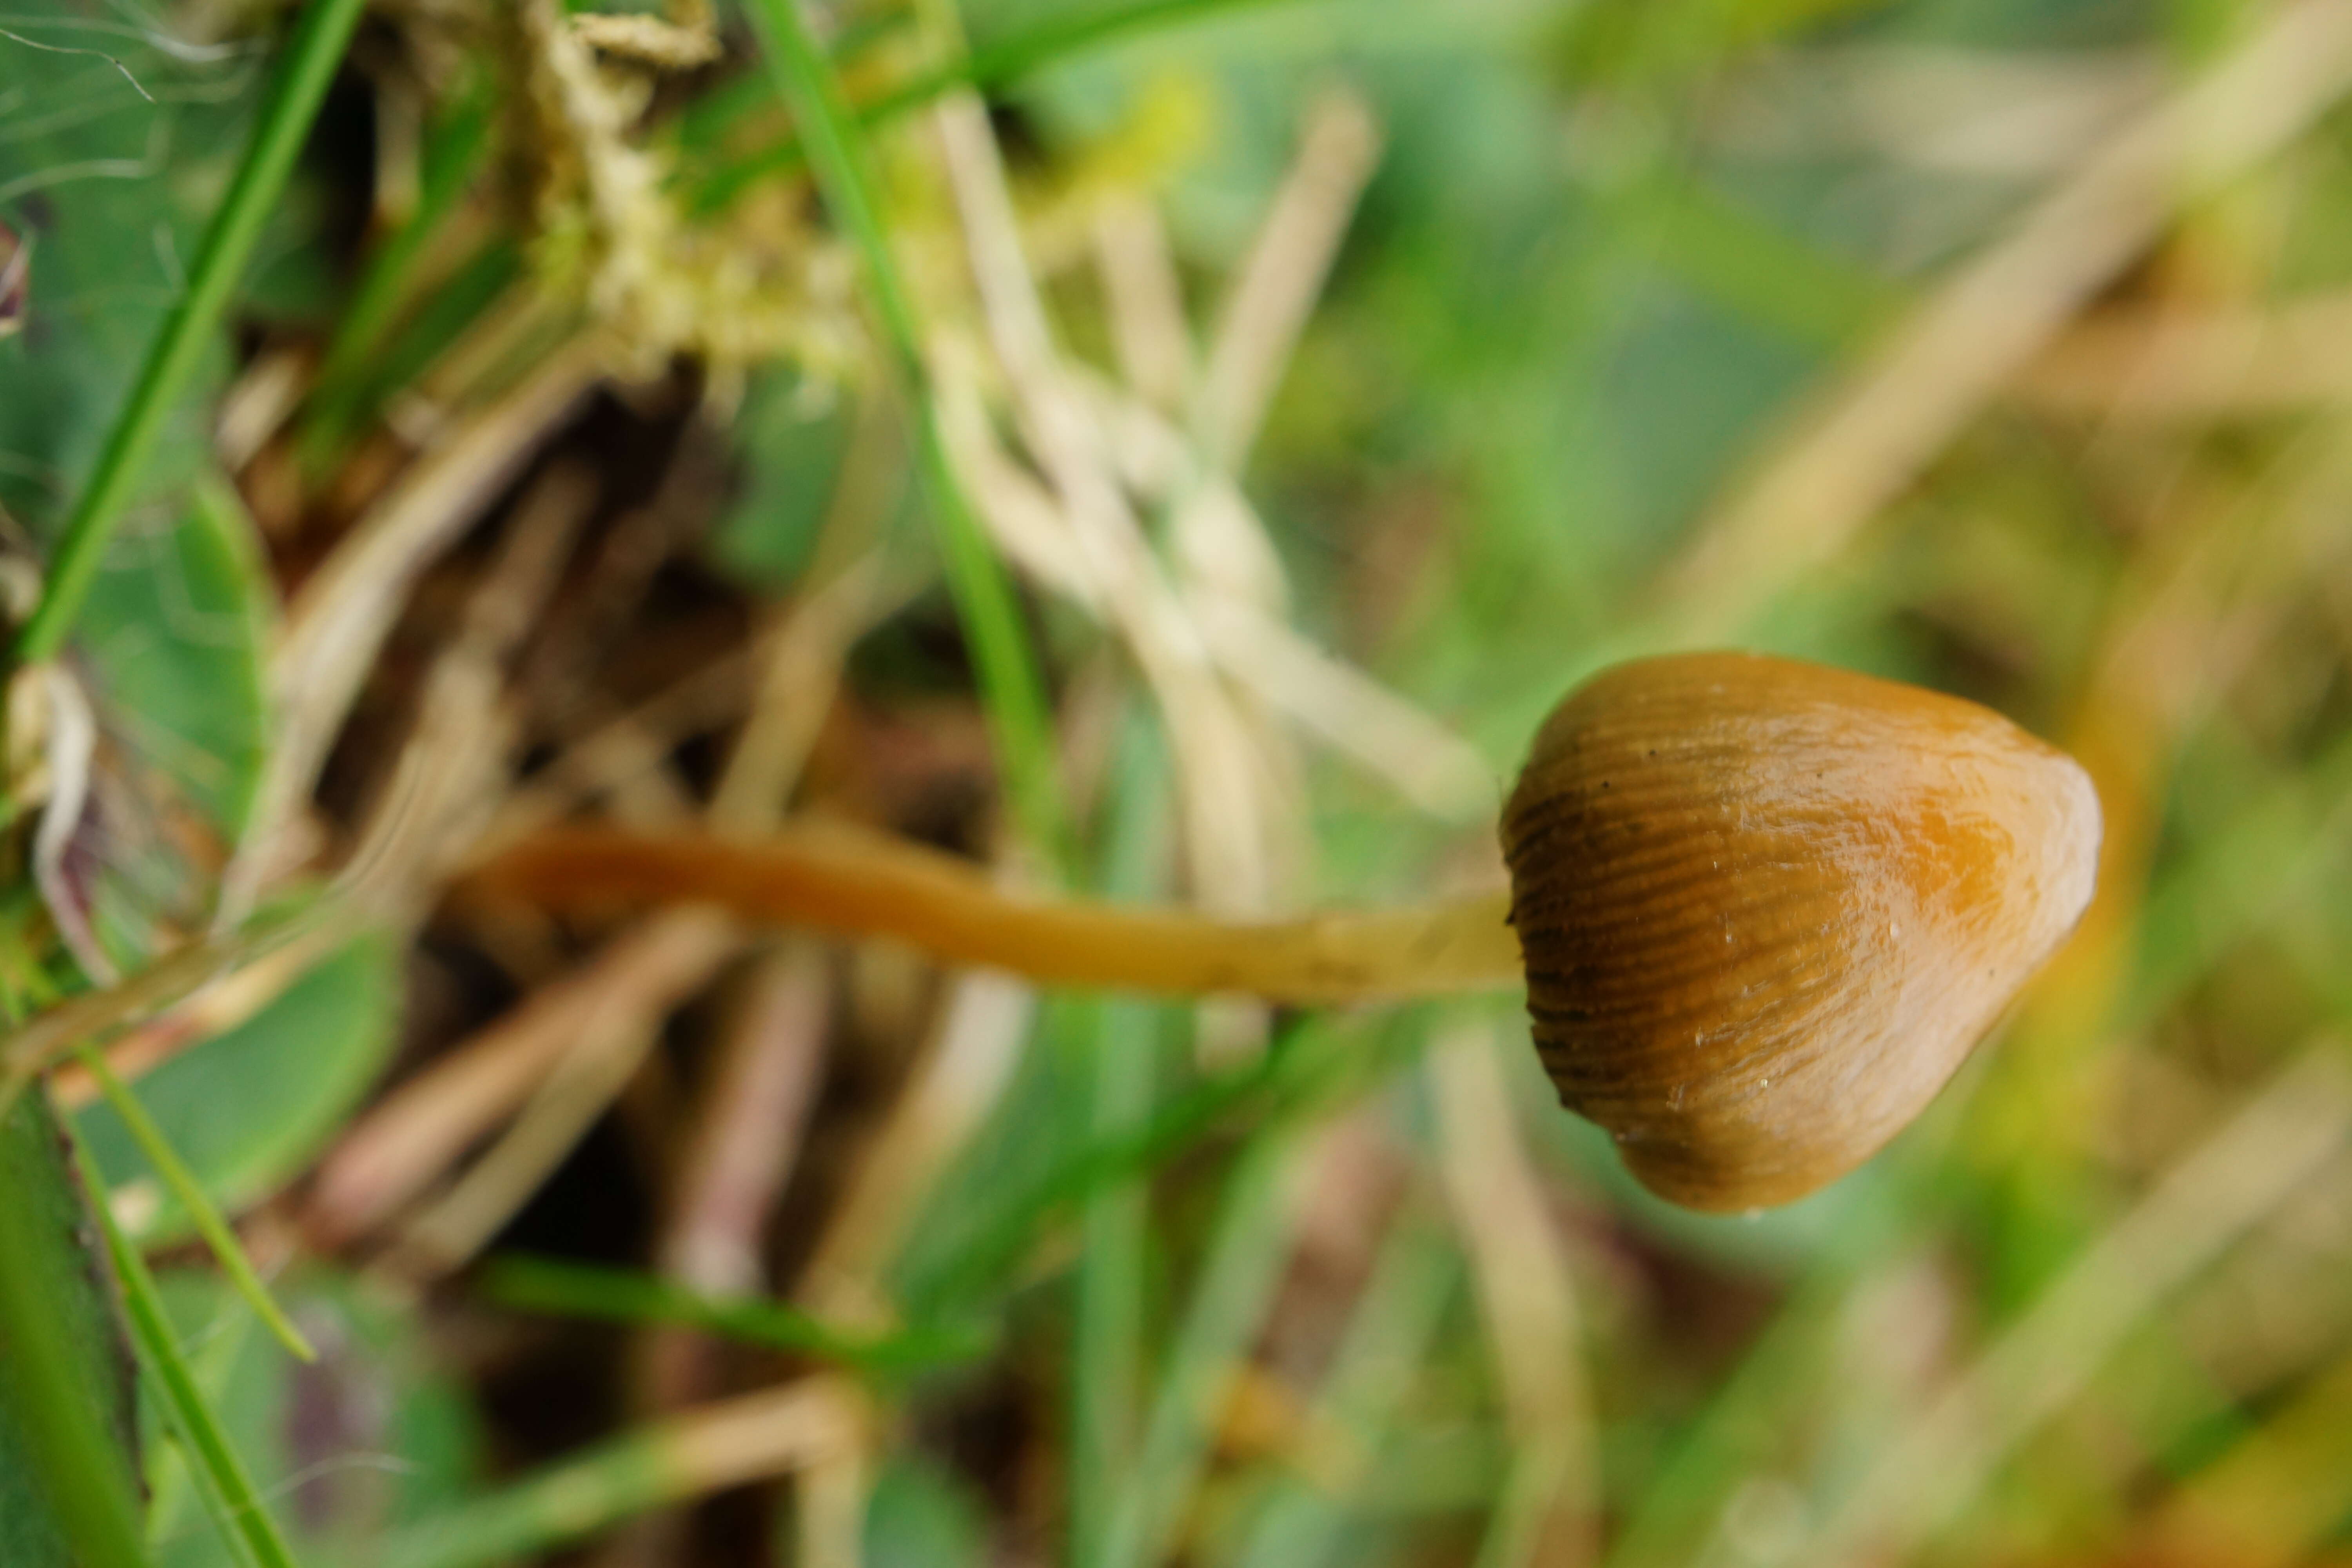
(1768, 908)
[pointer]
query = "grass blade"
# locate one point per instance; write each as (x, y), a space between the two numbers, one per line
(748, 1439)
(301, 83)
(453, 154)
(994, 65)
(1106, 1341)
(1388, 1336)
(80, 1479)
(1226, 1311)
(166, 1162)
(1101, 1163)
(173, 1475)
(242, 1518)
(1013, 687)
(545, 1285)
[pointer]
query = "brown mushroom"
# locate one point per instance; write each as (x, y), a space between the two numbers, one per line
(1767, 909)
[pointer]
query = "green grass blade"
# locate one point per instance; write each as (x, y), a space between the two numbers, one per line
(1723, 1443)
(174, 1476)
(545, 1285)
(166, 1162)
(451, 159)
(340, 409)
(2277, 839)
(79, 1468)
(301, 83)
(1390, 1334)
(704, 123)
(1059, 37)
(1011, 685)
(615, 1481)
(244, 1518)
(1227, 1309)
(996, 65)
(1107, 1340)
(342, 393)
(1305, 1068)
(1107, 1162)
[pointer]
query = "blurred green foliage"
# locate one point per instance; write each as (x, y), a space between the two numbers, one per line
(1611, 253)
(259, 1102)
(343, 1450)
(923, 1516)
(68, 1446)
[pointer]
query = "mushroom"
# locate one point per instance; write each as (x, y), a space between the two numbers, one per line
(1763, 909)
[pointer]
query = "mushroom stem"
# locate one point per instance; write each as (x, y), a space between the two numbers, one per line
(864, 883)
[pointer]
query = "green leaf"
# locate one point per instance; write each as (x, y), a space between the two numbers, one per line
(110, 164)
(67, 1437)
(174, 633)
(239, 1514)
(251, 1107)
(173, 629)
(793, 453)
(923, 1516)
(196, 297)
(226, 1251)
(346, 1449)
(111, 158)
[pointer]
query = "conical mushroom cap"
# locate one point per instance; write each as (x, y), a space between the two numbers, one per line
(1768, 908)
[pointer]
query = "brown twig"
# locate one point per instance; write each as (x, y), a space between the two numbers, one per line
(45, 1039)
(2191, 366)
(595, 1064)
(236, 995)
(340, 618)
(457, 757)
(741, 1148)
(413, 1134)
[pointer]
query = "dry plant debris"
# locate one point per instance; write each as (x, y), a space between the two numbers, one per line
(1337, 386)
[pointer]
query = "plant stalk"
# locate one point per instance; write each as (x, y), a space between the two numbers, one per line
(300, 85)
(1012, 682)
(860, 882)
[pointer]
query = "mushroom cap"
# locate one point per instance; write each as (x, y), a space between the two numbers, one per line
(1768, 908)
